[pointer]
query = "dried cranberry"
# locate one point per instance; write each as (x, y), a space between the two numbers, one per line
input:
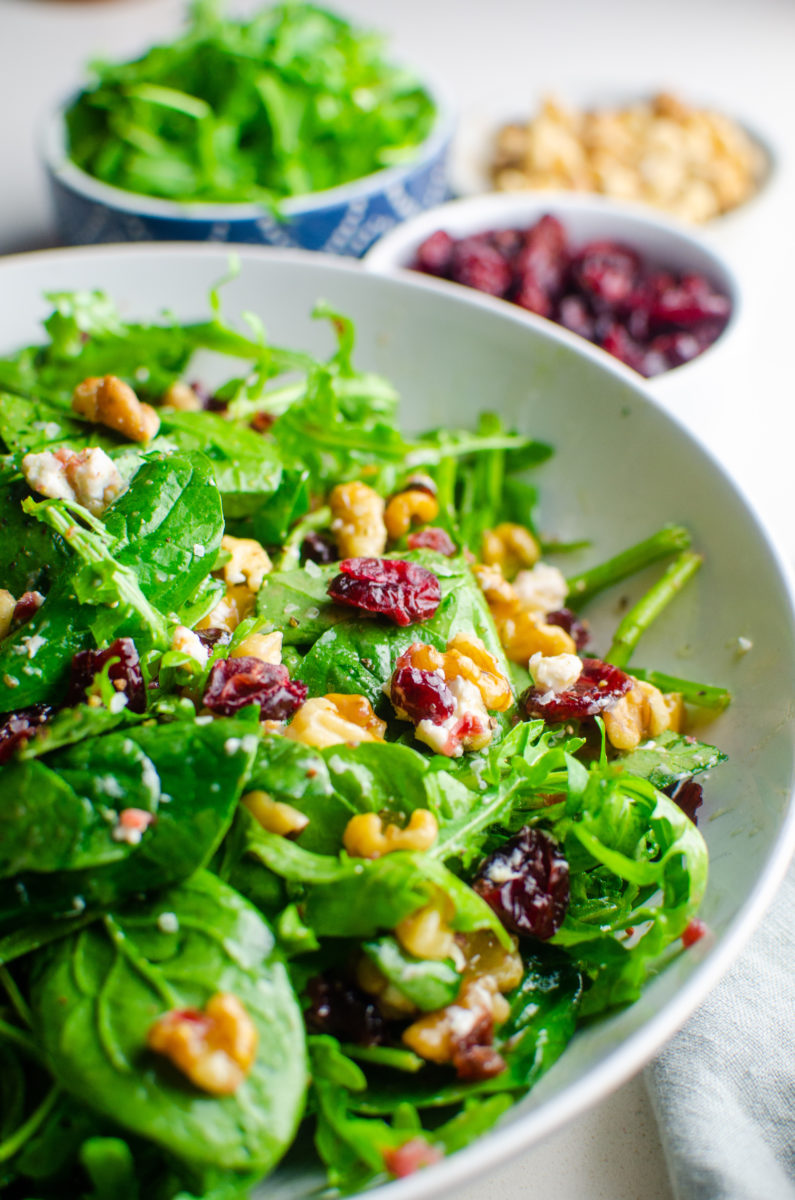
(433, 538)
(607, 273)
(479, 265)
(27, 604)
(616, 341)
(18, 727)
(508, 241)
(339, 1008)
(318, 548)
(526, 882)
(125, 674)
(566, 619)
(261, 422)
(435, 255)
(573, 313)
(689, 795)
(530, 296)
(694, 932)
(402, 591)
(544, 256)
(475, 1063)
(688, 303)
(214, 636)
(473, 1054)
(650, 319)
(236, 682)
(600, 685)
(422, 695)
(216, 404)
(404, 1160)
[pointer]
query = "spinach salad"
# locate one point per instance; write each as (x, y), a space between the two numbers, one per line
(322, 825)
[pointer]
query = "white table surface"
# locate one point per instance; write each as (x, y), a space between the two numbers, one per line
(498, 56)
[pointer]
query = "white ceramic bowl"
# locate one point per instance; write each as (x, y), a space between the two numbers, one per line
(623, 467)
(473, 148)
(661, 242)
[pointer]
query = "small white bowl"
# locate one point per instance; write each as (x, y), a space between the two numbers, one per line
(473, 149)
(660, 241)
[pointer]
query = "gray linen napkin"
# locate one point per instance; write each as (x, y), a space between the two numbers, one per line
(724, 1089)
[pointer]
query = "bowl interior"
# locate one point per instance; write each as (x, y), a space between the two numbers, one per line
(623, 468)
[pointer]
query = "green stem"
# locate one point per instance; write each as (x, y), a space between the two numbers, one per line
(643, 614)
(291, 551)
(14, 1144)
(669, 540)
(19, 1038)
(16, 997)
(702, 695)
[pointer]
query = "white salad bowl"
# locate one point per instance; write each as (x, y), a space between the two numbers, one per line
(623, 467)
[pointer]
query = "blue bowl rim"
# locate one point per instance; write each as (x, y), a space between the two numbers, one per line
(62, 170)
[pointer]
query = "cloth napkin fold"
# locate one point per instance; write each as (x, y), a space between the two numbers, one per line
(724, 1089)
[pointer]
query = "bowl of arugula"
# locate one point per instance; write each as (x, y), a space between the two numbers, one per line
(290, 128)
(359, 676)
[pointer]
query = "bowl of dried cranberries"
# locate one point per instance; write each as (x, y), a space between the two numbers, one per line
(647, 291)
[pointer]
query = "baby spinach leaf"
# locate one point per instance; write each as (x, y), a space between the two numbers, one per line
(428, 983)
(168, 526)
(671, 758)
(245, 465)
(34, 659)
(28, 425)
(31, 554)
(191, 773)
(119, 975)
(53, 820)
(539, 1026)
(542, 1019)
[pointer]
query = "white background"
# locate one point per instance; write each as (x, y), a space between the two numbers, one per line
(498, 56)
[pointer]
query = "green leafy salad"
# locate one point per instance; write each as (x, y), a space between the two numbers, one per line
(322, 825)
(295, 100)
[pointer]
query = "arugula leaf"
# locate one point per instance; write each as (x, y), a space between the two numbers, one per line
(117, 975)
(292, 101)
(670, 758)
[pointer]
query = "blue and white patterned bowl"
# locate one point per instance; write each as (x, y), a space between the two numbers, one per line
(342, 220)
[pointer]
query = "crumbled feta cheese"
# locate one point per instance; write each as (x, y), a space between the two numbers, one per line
(168, 922)
(117, 702)
(187, 642)
(90, 477)
(556, 673)
(469, 727)
(232, 745)
(542, 589)
(95, 480)
(33, 644)
(46, 475)
(199, 550)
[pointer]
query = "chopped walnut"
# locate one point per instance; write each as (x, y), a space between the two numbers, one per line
(215, 1048)
(643, 712)
(110, 401)
(358, 520)
(366, 837)
(335, 719)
